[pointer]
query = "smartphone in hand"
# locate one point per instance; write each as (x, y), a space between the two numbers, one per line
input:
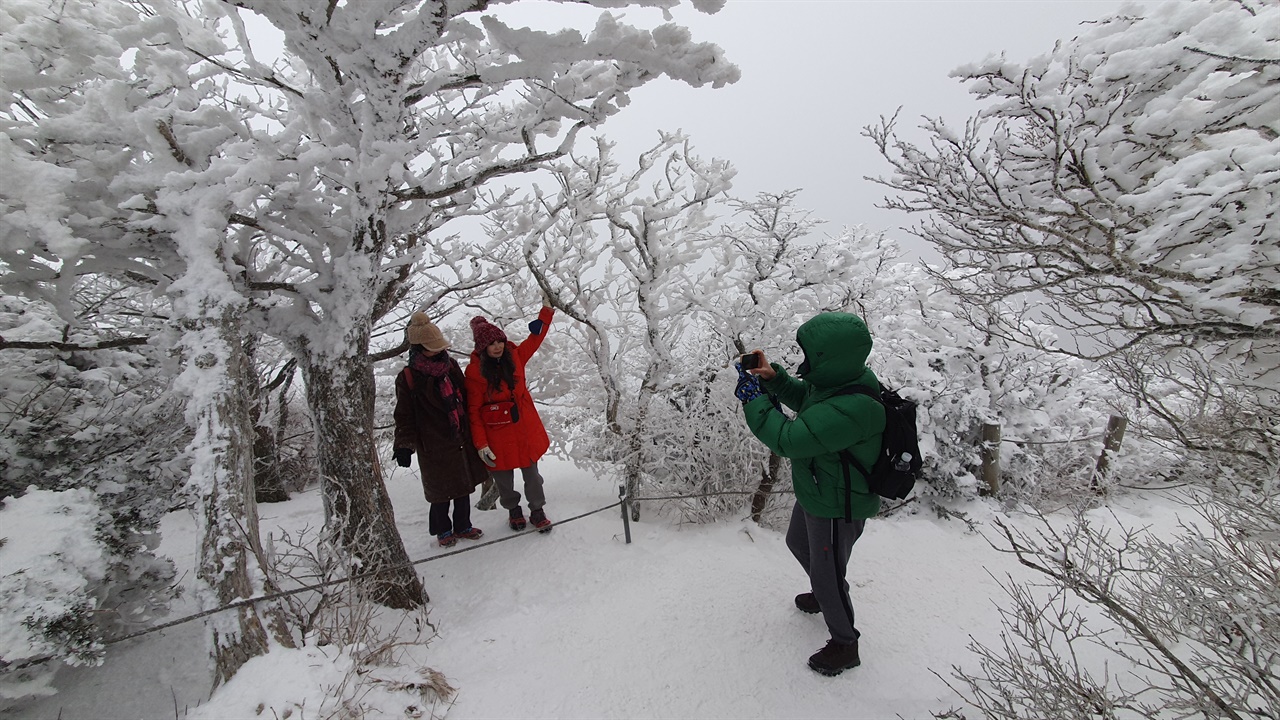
(750, 362)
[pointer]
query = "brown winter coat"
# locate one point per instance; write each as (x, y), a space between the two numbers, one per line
(450, 467)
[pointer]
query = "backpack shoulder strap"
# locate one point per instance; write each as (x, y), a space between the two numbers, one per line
(408, 378)
(846, 457)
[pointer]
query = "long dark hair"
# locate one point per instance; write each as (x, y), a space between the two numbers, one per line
(495, 370)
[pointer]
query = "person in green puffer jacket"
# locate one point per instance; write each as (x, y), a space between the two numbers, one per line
(830, 513)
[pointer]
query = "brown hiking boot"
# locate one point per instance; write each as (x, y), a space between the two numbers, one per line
(808, 603)
(835, 658)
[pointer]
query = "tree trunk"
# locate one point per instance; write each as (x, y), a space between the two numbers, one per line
(633, 468)
(267, 484)
(296, 481)
(768, 479)
(217, 376)
(358, 513)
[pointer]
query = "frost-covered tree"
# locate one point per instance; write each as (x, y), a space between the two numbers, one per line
(403, 114)
(1128, 179)
(616, 250)
(1205, 415)
(771, 271)
(328, 172)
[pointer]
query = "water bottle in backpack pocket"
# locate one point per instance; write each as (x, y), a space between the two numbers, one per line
(897, 467)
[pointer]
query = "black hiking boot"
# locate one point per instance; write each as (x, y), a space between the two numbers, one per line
(516, 521)
(808, 603)
(540, 521)
(835, 658)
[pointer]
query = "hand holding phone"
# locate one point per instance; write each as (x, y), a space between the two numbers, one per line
(750, 361)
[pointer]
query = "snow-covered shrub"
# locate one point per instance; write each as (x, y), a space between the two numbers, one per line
(53, 563)
(61, 578)
(1051, 410)
(1130, 624)
(1204, 417)
(355, 659)
(698, 444)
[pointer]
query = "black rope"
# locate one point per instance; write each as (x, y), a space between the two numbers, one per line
(244, 602)
(713, 494)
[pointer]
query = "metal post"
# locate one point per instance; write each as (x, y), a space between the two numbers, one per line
(626, 514)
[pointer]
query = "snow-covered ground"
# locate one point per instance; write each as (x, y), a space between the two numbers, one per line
(688, 621)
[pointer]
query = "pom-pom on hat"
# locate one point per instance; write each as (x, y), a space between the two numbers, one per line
(485, 333)
(425, 333)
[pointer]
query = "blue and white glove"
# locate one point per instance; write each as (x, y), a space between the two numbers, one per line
(748, 386)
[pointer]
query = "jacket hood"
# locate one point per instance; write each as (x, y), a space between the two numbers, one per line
(836, 346)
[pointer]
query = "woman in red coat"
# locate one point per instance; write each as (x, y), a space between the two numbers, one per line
(505, 426)
(431, 419)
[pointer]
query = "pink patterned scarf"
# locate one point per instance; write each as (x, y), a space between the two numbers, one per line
(437, 368)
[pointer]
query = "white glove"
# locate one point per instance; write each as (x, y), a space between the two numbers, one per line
(488, 457)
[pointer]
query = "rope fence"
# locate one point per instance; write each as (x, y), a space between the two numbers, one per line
(302, 589)
(623, 502)
(243, 602)
(990, 471)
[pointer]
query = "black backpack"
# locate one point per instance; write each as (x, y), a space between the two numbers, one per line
(898, 465)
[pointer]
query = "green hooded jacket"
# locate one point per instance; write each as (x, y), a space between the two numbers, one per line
(836, 346)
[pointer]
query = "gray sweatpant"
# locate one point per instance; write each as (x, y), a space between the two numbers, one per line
(823, 546)
(506, 481)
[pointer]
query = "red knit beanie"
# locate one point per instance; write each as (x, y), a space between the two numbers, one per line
(485, 333)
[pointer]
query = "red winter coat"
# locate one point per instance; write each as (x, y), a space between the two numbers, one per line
(521, 443)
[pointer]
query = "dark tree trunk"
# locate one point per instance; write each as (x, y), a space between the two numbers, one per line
(768, 480)
(268, 484)
(358, 512)
(633, 468)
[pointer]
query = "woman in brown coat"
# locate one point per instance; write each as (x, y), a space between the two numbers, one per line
(431, 419)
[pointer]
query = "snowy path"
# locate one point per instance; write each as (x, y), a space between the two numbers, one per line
(687, 621)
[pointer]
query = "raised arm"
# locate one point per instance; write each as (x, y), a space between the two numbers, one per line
(789, 391)
(526, 349)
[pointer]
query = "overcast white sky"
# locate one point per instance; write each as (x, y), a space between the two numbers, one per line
(815, 72)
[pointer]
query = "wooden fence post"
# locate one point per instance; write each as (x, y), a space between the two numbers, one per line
(991, 456)
(1116, 426)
